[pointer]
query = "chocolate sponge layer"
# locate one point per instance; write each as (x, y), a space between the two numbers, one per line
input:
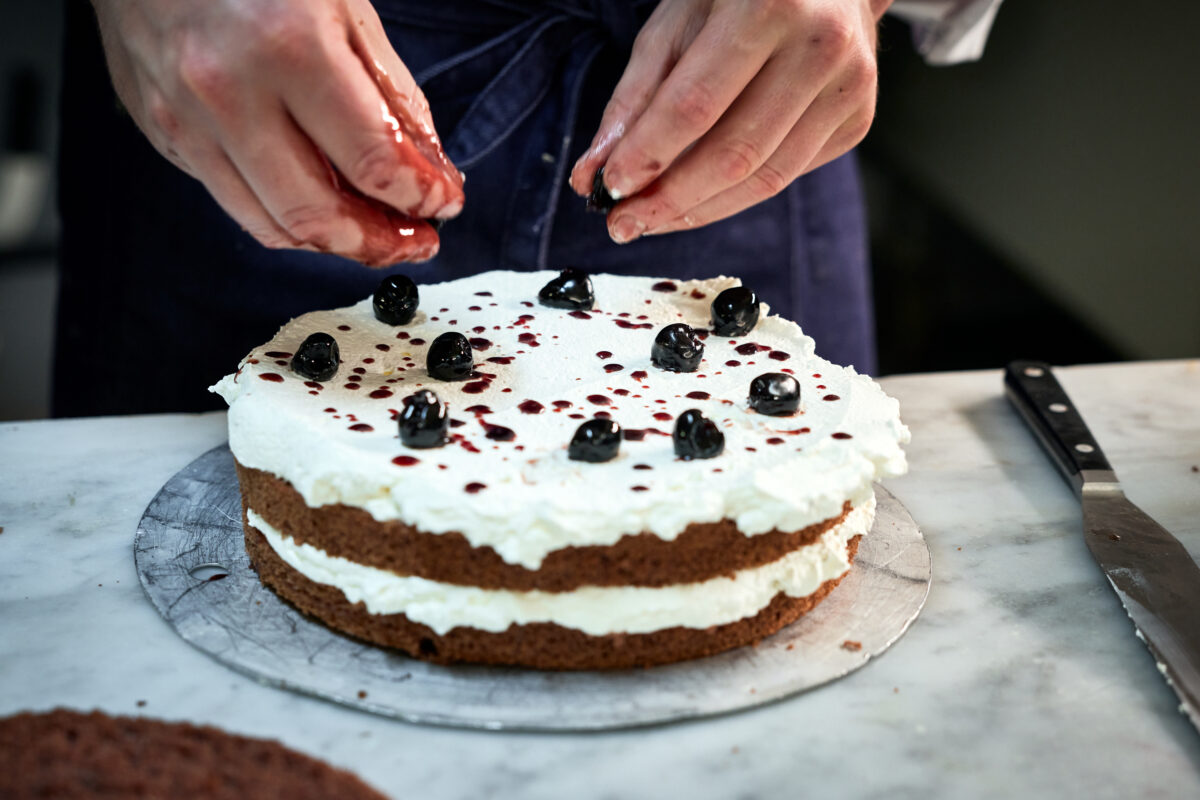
(702, 551)
(68, 755)
(538, 645)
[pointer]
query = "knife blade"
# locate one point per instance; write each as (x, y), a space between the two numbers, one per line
(1151, 572)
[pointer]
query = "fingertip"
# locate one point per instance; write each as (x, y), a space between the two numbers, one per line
(581, 177)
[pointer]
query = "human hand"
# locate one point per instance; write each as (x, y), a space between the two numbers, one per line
(296, 115)
(724, 103)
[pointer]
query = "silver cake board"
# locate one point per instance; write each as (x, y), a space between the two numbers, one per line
(192, 562)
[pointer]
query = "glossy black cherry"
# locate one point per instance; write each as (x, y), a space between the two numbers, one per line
(735, 312)
(697, 436)
(449, 357)
(571, 289)
(775, 394)
(595, 441)
(317, 358)
(677, 348)
(395, 301)
(423, 422)
(600, 200)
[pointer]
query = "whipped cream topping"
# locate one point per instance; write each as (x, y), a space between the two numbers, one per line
(504, 479)
(595, 610)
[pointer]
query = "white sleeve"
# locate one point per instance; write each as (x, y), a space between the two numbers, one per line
(948, 31)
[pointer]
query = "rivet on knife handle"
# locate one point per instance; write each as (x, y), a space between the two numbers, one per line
(1041, 400)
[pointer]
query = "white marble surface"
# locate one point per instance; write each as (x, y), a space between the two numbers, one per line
(1022, 677)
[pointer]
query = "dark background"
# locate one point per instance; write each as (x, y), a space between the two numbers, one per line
(1039, 203)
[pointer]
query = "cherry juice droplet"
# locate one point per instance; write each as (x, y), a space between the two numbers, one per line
(599, 399)
(405, 461)
(664, 286)
(362, 427)
(474, 487)
(698, 395)
(531, 407)
(498, 433)
(271, 376)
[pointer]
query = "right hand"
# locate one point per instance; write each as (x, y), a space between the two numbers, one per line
(257, 98)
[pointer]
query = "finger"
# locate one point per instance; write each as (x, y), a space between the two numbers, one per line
(222, 180)
(297, 187)
(734, 149)
(815, 135)
(342, 111)
(404, 98)
(714, 69)
(649, 64)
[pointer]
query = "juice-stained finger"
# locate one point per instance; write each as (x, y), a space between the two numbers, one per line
(733, 149)
(649, 64)
(713, 70)
(409, 110)
(304, 196)
(340, 108)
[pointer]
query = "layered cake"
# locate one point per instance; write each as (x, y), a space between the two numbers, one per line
(69, 755)
(554, 470)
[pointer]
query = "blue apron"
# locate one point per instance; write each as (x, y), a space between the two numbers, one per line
(161, 293)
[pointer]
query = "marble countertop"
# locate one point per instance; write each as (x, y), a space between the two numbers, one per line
(1022, 677)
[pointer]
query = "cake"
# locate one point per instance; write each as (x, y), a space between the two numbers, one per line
(530, 534)
(68, 755)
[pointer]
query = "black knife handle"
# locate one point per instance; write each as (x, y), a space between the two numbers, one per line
(1048, 410)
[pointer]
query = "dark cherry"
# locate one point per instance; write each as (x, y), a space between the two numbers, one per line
(318, 357)
(775, 394)
(677, 348)
(423, 422)
(696, 436)
(571, 289)
(449, 357)
(595, 441)
(395, 300)
(735, 312)
(600, 200)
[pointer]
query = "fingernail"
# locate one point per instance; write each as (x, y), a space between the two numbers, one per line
(626, 228)
(617, 186)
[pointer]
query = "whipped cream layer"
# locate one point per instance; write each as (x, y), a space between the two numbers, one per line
(504, 479)
(595, 610)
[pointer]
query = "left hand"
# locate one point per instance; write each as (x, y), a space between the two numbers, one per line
(726, 102)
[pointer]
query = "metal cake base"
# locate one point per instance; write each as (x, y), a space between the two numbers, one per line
(192, 563)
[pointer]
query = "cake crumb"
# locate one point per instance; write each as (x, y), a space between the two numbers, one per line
(790, 647)
(1194, 469)
(895, 690)
(141, 703)
(852, 645)
(2, 527)
(362, 695)
(960, 549)
(734, 750)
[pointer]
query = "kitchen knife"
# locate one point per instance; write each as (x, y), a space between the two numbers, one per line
(1152, 573)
